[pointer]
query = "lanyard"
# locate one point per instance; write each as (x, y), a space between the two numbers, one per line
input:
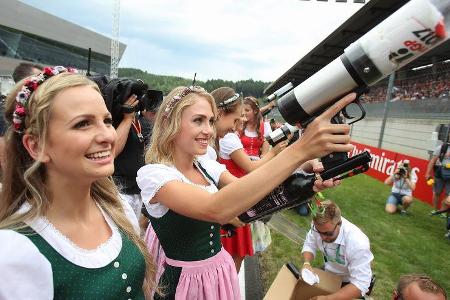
(138, 128)
(336, 257)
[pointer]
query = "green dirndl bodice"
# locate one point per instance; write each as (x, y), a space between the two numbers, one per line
(120, 279)
(185, 239)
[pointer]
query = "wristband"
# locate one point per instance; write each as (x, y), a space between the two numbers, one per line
(127, 109)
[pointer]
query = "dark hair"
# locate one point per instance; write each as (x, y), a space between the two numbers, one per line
(24, 70)
(425, 283)
(222, 94)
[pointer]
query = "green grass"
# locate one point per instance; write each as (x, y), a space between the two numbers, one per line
(401, 244)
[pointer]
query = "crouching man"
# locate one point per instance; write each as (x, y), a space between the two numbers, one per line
(345, 248)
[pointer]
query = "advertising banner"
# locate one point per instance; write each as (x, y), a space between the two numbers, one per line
(384, 163)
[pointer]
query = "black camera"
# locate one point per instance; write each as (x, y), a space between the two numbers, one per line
(151, 100)
(401, 171)
(117, 91)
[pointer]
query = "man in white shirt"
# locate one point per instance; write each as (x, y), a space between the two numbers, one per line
(346, 251)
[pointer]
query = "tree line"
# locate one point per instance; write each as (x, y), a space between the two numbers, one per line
(165, 83)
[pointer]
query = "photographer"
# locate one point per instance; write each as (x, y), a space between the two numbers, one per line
(125, 99)
(403, 184)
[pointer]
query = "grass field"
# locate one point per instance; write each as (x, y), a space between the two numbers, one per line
(401, 244)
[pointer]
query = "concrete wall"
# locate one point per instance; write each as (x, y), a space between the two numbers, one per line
(407, 136)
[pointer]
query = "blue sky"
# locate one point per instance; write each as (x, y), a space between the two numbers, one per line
(231, 40)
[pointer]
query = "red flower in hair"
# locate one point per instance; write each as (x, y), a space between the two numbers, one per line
(20, 110)
(31, 84)
(48, 71)
(17, 126)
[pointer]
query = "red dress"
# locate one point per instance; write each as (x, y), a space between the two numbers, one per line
(252, 145)
(239, 244)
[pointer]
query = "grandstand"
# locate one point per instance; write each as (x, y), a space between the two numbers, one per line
(29, 34)
(422, 83)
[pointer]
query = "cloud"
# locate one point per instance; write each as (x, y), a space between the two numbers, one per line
(231, 40)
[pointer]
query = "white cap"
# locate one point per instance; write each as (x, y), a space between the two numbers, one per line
(406, 162)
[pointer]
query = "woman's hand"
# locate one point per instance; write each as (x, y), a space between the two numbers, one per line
(236, 222)
(321, 137)
(312, 166)
(279, 147)
(320, 185)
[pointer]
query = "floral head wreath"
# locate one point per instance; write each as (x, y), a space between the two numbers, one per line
(253, 100)
(30, 85)
(183, 93)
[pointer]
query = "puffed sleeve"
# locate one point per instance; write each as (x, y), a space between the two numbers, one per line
(150, 178)
(267, 129)
(25, 272)
(228, 144)
(213, 168)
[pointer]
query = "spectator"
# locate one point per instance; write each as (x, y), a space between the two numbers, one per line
(346, 251)
(403, 184)
(151, 101)
(418, 287)
(414, 88)
(438, 165)
(26, 69)
(122, 97)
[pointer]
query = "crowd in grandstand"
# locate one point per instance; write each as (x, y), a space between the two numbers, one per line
(410, 89)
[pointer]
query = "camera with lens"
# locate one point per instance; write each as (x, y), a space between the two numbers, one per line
(117, 91)
(401, 172)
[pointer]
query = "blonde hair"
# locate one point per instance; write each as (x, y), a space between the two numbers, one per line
(331, 212)
(168, 125)
(24, 179)
(424, 282)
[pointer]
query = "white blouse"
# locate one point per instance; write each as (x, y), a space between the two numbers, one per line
(228, 144)
(152, 177)
(28, 273)
(210, 153)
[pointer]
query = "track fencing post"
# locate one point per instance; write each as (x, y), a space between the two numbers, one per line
(386, 107)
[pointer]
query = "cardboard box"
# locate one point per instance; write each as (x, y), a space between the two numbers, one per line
(286, 286)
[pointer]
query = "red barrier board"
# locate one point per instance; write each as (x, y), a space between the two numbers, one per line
(384, 163)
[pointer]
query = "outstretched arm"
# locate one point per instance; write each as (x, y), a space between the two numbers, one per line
(319, 139)
(241, 158)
